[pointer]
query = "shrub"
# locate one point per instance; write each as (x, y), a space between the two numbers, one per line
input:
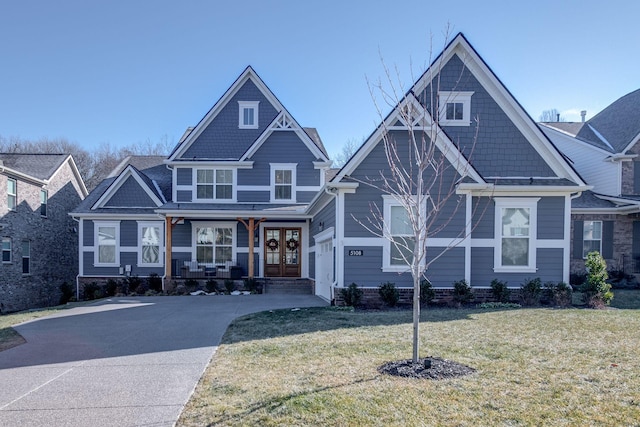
(621, 280)
(154, 282)
(211, 286)
(67, 293)
(577, 279)
(500, 290)
(352, 295)
(389, 294)
(531, 291)
(111, 287)
(229, 285)
(133, 283)
(191, 285)
(427, 294)
(251, 285)
(91, 291)
(596, 291)
(559, 293)
(462, 292)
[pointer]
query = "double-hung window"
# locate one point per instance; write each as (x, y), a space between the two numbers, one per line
(26, 257)
(12, 194)
(44, 197)
(107, 241)
(248, 114)
(151, 244)
(592, 237)
(399, 241)
(214, 184)
(6, 250)
(516, 229)
(454, 108)
(214, 243)
(283, 182)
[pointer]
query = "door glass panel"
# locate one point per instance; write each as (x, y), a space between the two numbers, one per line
(273, 247)
(292, 244)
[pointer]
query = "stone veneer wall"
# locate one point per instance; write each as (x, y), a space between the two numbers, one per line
(622, 240)
(54, 243)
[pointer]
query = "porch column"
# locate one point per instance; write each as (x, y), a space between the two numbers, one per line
(251, 227)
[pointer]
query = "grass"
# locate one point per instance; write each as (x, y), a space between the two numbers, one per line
(319, 367)
(10, 338)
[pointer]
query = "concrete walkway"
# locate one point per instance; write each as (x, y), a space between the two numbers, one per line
(119, 362)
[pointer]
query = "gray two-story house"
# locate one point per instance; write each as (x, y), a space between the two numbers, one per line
(245, 189)
(39, 239)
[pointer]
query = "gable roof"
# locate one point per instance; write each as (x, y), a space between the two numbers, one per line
(229, 144)
(39, 168)
(459, 47)
(145, 183)
(619, 123)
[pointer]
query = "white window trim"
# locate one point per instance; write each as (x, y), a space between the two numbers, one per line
(96, 245)
(244, 105)
(584, 256)
(234, 179)
(389, 202)
(272, 188)
(160, 226)
(445, 97)
(8, 239)
(516, 202)
(14, 194)
(215, 224)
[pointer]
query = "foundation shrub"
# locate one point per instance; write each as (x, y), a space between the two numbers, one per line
(351, 295)
(67, 292)
(596, 292)
(462, 293)
(154, 282)
(91, 291)
(211, 286)
(427, 294)
(558, 294)
(500, 291)
(229, 285)
(389, 294)
(531, 291)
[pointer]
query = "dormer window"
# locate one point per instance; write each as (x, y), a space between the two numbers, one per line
(455, 108)
(248, 117)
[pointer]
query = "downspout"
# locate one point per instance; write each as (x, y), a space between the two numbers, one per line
(79, 255)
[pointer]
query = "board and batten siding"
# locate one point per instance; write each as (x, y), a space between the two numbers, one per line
(326, 217)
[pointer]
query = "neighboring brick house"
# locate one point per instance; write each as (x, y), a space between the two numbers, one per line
(39, 238)
(604, 150)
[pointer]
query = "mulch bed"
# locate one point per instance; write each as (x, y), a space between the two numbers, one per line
(431, 368)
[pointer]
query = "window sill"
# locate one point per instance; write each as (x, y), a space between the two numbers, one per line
(515, 269)
(248, 127)
(396, 269)
(454, 123)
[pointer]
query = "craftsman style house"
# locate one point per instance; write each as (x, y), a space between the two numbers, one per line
(39, 239)
(244, 194)
(604, 150)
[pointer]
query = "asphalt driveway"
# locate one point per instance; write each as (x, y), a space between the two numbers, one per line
(119, 362)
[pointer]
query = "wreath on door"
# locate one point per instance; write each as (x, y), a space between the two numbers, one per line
(292, 244)
(272, 244)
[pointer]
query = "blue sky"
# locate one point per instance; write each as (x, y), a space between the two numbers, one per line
(125, 72)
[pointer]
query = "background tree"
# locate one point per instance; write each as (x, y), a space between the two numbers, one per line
(348, 149)
(552, 115)
(422, 177)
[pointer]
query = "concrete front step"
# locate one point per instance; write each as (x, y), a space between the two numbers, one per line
(288, 286)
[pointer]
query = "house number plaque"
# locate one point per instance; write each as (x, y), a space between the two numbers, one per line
(356, 252)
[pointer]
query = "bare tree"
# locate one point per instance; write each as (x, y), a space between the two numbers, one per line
(552, 115)
(348, 149)
(424, 169)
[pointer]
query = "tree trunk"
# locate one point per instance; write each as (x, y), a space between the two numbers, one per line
(416, 318)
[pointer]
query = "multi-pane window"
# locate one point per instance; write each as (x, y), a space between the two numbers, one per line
(248, 117)
(150, 244)
(12, 187)
(214, 184)
(214, 245)
(592, 237)
(515, 236)
(283, 184)
(6, 250)
(44, 197)
(107, 243)
(26, 257)
(454, 108)
(401, 232)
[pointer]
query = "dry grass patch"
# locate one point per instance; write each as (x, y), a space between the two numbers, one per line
(319, 367)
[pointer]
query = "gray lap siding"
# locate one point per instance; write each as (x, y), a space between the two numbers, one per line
(549, 268)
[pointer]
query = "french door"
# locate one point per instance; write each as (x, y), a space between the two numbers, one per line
(282, 252)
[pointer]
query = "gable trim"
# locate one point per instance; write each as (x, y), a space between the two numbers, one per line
(425, 123)
(130, 171)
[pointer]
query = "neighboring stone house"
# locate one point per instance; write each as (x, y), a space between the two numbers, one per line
(39, 238)
(247, 189)
(604, 150)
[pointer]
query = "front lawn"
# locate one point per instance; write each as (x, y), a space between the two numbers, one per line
(319, 367)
